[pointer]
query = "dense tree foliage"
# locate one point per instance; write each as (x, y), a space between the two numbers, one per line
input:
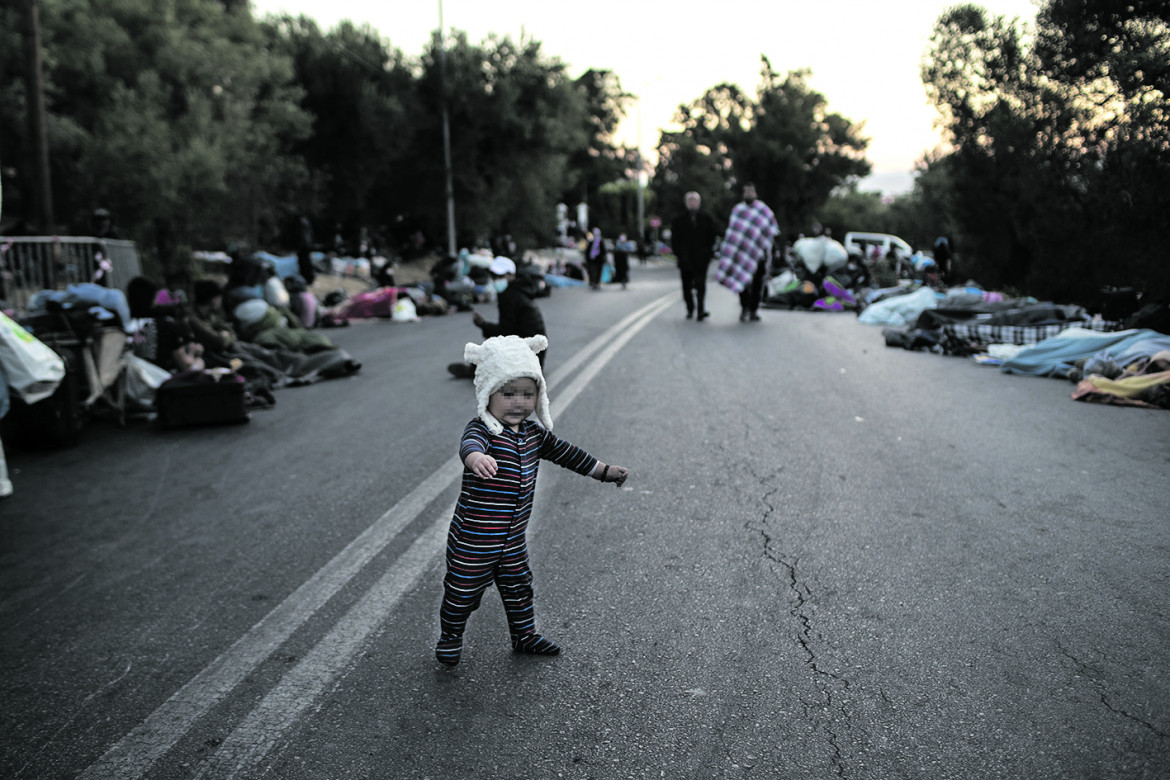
(517, 118)
(1060, 171)
(919, 216)
(362, 99)
(176, 116)
(598, 165)
(199, 125)
(851, 209)
(196, 124)
(784, 140)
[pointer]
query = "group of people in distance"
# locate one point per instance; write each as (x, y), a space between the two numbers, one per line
(743, 255)
(595, 257)
(250, 331)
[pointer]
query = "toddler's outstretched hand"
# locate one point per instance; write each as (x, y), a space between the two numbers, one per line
(481, 464)
(614, 474)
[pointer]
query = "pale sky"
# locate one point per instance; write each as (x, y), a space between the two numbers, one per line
(864, 56)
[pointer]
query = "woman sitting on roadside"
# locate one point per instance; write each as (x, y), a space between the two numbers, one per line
(161, 334)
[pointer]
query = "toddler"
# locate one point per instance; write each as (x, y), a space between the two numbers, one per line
(501, 450)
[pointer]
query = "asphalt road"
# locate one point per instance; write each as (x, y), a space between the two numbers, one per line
(832, 559)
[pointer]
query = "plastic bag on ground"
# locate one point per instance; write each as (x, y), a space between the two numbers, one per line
(404, 310)
(33, 369)
(143, 379)
(820, 252)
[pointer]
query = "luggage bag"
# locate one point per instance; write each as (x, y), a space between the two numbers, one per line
(181, 401)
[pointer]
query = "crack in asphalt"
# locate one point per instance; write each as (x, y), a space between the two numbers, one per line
(825, 681)
(1096, 679)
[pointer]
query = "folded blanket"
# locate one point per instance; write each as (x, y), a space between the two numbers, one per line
(747, 243)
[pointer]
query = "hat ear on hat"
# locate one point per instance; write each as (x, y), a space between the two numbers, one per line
(473, 353)
(537, 343)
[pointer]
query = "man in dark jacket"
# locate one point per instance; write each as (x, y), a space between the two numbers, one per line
(519, 315)
(692, 235)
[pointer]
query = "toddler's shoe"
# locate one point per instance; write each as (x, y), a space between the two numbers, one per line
(447, 651)
(534, 644)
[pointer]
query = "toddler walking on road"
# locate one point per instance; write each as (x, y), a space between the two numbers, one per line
(501, 450)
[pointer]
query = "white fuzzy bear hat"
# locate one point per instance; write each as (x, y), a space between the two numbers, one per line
(498, 361)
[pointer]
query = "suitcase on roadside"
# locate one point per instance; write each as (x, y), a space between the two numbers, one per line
(183, 401)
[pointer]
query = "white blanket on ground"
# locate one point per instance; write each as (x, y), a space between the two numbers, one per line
(900, 309)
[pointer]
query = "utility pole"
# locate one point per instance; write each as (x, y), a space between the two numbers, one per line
(38, 136)
(451, 249)
(641, 208)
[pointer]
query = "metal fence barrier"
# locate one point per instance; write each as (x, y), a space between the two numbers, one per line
(29, 264)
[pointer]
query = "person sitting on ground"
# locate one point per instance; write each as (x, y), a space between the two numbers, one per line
(301, 300)
(451, 284)
(208, 321)
(247, 299)
(161, 334)
(246, 277)
(263, 369)
(261, 323)
(174, 292)
(518, 313)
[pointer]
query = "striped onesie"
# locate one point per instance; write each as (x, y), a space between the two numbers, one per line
(487, 541)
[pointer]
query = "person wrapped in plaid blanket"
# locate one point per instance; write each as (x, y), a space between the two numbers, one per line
(746, 249)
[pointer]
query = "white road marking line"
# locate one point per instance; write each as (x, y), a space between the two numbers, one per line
(300, 687)
(566, 396)
(136, 752)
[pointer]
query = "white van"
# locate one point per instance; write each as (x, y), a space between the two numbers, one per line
(859, 245)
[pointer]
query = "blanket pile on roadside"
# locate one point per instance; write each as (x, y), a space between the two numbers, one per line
(1059, 355)
(1143, 383)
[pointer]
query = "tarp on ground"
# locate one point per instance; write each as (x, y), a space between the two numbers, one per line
(1058, 355)
(557, 280)
(1013, 311)
(285, 265)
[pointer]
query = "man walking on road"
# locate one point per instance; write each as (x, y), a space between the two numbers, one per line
(747, 248)
(692, 236)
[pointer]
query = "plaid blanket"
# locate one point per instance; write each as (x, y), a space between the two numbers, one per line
(747, 243)
(1024, 335)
